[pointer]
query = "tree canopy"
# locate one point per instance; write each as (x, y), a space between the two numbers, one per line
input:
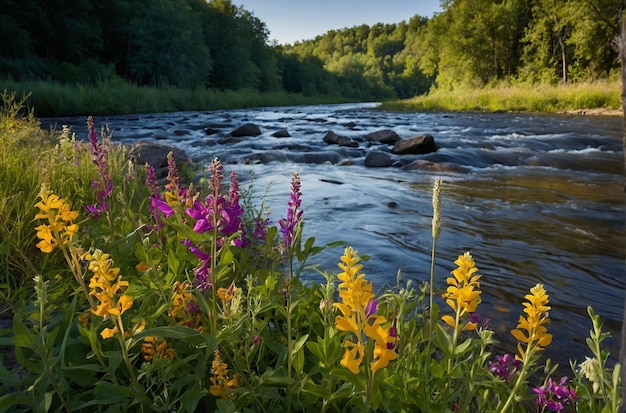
(219, 45)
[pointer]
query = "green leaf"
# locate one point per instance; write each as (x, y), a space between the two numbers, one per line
(463, 347)
(23, 337)
(182, 333)
(315, 389)
(298, 344)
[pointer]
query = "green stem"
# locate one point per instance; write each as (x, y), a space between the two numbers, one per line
(131, 371)
(44, 350)
(521, 377)
(289, 339)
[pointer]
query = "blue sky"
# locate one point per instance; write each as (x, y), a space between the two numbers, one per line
(294, 20)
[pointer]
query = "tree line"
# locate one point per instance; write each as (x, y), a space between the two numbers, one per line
(218, 45)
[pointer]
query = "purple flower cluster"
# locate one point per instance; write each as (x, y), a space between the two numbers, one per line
(104, 185)
(553, 396)
(220, 214)
(505, 367)
(158, 206)
(289, 225)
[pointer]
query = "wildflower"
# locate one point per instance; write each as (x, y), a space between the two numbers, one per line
(358, 316)
(153, 347)
(289, 226)
(553, 396)
(505, 367)
(226, 294)
(589, 369)
(104, 184)
(462, 294)
(157, 206)
(106, 284)
(221, 384)
(536, 335)
(218, 214)
(436, 224)
(60, 229)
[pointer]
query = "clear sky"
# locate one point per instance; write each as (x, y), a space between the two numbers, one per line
(293, 20)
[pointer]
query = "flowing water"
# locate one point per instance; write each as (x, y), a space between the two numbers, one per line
(542, 201)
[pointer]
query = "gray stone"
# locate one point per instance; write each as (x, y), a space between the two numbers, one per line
(417, 145)
(247, 129)
(155, 154)
(378, 159)
(385, 136)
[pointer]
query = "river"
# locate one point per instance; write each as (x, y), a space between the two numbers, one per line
(541, 201)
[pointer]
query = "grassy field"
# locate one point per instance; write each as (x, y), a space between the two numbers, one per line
(603, 95)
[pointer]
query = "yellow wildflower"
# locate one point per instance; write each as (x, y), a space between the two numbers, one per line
(536, 334)
(221, 384)
(226, 294)
(153, 347)
(105, 285)
(358, 316)
(60, 229)
(463, 294)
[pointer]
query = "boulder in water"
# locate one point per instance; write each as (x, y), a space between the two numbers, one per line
(417, 145)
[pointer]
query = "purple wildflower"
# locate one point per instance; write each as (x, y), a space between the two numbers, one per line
(172, 174)
(157, 205)
(505, 367)
(289, 226)
(371, 308)
(393, 332)
(104, 184)
(553, 396)
(219, 214)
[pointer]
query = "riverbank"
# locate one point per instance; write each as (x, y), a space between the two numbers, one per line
(51, 99)
(593, 98)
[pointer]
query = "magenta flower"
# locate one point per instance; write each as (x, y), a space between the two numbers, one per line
(220, 214)
(289, 226)
(371, 308)
(553, 396)
(505, 367)
(158, 206)
(104, 184)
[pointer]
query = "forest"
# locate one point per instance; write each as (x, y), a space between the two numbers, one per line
(218, 45)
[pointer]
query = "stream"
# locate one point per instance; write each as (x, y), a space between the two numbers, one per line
(539, 199)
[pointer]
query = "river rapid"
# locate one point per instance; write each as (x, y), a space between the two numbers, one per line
(541, 199)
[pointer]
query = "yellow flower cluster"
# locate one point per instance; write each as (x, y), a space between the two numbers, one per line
(536, 336)
(221, 384)
(60, 228)
(105, 284)
(358, 309)
(153, 347)
(183, 306)
(463, 294)
(226, 294)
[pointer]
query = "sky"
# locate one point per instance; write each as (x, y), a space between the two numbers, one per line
(294, 20)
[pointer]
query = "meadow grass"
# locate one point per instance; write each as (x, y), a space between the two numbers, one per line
(518, 98)
(117, 97)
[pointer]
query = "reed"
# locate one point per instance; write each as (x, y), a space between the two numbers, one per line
(518, 98)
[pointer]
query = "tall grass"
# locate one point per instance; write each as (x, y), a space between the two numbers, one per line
(518, 98)
(117, 97)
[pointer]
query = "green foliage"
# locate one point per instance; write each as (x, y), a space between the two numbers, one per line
(256, 338)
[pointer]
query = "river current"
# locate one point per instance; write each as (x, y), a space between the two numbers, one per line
(541, 202)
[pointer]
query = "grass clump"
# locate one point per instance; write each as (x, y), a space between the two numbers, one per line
(134, 295)
(518, 98)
